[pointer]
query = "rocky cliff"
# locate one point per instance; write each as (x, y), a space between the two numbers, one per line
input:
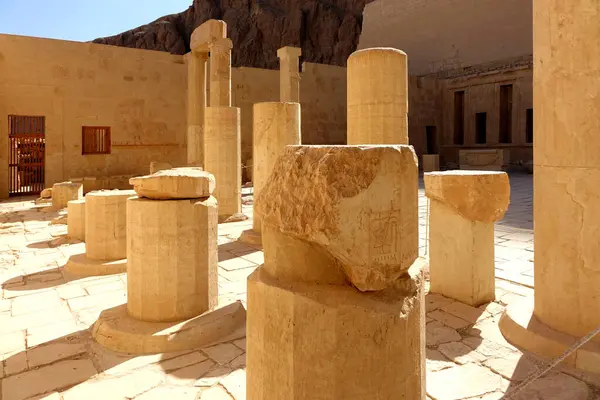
(327, 30)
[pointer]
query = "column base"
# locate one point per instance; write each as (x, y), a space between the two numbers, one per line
(523, 329)
(118, 331)
(251, 237)
(80, 264)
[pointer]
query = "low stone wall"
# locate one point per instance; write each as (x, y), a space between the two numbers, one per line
(91, 183)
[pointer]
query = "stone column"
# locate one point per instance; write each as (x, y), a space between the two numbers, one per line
(196, 104)
(289, 74)
(276, 125)
(171, 269)
(222, 156)
(377, 97)
(220, 73)
(64, 192)
(340, 233)
(105, 234)
(464, 207)
(76, 219)
(566, 189)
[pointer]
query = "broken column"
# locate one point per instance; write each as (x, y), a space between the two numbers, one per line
(64, 192)
(464, 207)
(76, 219)
(337, 307)
(566, 191)
(377, 97)
(202, 37)
(289, 74)
(276, 125)
(171, 270)
(105, 234)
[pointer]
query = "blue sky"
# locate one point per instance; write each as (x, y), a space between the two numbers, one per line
(81, 20)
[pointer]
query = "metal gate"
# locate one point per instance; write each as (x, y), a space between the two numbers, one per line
(27, 144)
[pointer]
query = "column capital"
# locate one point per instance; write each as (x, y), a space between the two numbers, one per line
(289, 52)
(207, 33)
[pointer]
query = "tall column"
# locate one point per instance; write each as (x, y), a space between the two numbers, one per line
(566, 189)
(220, 73)
(289, 74)
(377, 97)
(340, 237)
(196, 104)
(222, 156)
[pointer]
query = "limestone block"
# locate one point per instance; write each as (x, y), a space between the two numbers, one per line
(484, 159)
(46, 193)
(76, 220)
(431, 162)
(64, 192)
(156, 166)
(475, 195)
(206, 33)
(172, 258)
(358, 203)
(377, 97)
(105, 224)
(222, 157)
(333, 342)
(464, 207)
(276, 125)
(176, 183)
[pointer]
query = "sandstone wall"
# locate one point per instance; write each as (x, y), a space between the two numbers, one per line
(139, 94)
(142, 96)
(447, 34)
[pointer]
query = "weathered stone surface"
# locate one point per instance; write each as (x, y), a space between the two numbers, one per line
(328, 32)
(156, 166)
(358, 203)
(176, 183)
(476, 195)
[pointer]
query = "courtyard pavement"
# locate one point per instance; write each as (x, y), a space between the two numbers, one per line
(46, 350)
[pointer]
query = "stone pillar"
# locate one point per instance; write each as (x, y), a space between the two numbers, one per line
(431, 162)
(340, 233)
(64, 192)
(220, 73)
(377, 97)
(105, 234)
(76, 219)
(222, 156)
(196, 104)
(289, 74)
(566, 189)
(171, 269)
(464, 207)
(276, 125)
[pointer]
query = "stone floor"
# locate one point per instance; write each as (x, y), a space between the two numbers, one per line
(46, 349)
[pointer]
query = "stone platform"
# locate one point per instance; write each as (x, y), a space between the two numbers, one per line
(46, 346)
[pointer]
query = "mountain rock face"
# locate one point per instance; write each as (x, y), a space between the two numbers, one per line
(327, 30)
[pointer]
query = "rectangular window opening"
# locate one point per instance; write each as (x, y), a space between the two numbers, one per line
(459, 117)
(95, 140)
(506, 95)
(529, 125)
(480, 128)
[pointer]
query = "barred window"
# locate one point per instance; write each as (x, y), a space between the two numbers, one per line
(95, 140)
